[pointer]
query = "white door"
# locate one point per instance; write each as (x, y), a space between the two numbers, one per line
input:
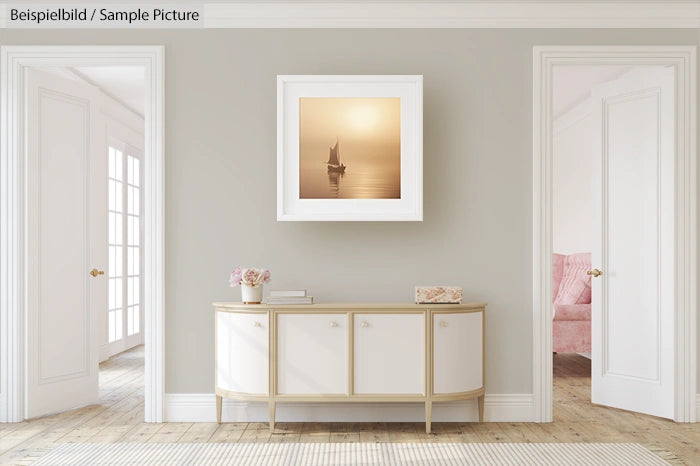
(242, 352)
(67, 227)
(389, 354)
(633, 243)
(458, 348)
(312, 354)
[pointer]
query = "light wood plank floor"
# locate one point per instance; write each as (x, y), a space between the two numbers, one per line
(119, 418)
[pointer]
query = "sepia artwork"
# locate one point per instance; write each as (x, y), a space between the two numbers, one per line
(349, 148)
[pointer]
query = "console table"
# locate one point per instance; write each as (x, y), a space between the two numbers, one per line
(349, 353)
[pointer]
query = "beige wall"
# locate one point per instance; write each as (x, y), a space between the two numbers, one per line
(220, 175)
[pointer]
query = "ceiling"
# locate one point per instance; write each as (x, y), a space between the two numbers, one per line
(572, 84)
(124, 83)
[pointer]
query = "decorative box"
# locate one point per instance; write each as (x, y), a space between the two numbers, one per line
(438, 294)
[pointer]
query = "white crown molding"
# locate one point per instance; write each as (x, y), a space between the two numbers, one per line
(116, 100)
(572, 116)
(201, 407)
(458, 14)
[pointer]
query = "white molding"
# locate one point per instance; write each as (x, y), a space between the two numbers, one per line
(110, 98)
(13, 60)
(201, 407)
(684, 59)
(574, 115)
(113, 99)
(457, 14)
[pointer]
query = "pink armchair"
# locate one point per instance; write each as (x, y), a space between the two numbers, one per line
(571, 286)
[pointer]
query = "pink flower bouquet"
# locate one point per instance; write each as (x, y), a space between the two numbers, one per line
(249, 276)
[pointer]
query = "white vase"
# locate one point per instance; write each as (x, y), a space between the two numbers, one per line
(251, 294)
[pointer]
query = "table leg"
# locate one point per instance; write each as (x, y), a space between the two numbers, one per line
(428, 415)
(272, 416)
(481, 408)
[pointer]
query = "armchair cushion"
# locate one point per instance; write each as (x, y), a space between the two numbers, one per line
(572, 312)
(575, 287)
(557, 272)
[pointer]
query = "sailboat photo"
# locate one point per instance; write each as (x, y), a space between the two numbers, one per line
(370, 164)
(333, 163)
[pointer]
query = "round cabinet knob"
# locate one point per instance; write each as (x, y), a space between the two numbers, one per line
(365, 324)
(443, 323)
(256, 324)
(334, 324)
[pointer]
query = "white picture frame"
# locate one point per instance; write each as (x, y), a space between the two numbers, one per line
(408, 206)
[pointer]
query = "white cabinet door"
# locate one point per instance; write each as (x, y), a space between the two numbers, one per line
(312, 354)
(457, 353)
(389, 353)
(241, 352)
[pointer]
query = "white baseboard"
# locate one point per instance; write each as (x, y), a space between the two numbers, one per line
(697, 407)
(201, 407)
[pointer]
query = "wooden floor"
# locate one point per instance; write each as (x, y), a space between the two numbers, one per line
(119, 418)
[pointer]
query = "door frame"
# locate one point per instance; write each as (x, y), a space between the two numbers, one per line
(683, 59)
(14, 61)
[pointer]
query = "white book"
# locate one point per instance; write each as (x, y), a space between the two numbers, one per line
(290, 300)
(287, 293)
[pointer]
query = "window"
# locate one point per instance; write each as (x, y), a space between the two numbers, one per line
(124, 312)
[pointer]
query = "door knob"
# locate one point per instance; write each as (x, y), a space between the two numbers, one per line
(595, 273)
(95, 272)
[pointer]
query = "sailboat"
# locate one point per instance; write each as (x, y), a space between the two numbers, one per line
(333, 163)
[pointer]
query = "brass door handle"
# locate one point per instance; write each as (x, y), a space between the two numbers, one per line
(95, 272)
(595, 273)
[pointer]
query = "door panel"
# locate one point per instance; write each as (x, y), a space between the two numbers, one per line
(389, 353)
(311, 353)
(457, 355)
(633, 189)
(64, 244)
(242, 352)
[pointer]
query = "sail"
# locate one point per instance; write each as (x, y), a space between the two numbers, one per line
(333, 159)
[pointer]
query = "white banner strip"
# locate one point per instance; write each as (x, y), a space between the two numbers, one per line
(103, 16)
(357, 14)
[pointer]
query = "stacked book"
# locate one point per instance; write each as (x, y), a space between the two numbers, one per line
(289, 297)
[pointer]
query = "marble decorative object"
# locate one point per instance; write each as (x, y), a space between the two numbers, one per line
(439, 294)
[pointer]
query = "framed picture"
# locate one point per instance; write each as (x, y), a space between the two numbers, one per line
(350, 148)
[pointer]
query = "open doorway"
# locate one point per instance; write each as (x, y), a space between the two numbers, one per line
(91, 119)
(612, 235)
(85, 143)
(639, 275)
(572, 228)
